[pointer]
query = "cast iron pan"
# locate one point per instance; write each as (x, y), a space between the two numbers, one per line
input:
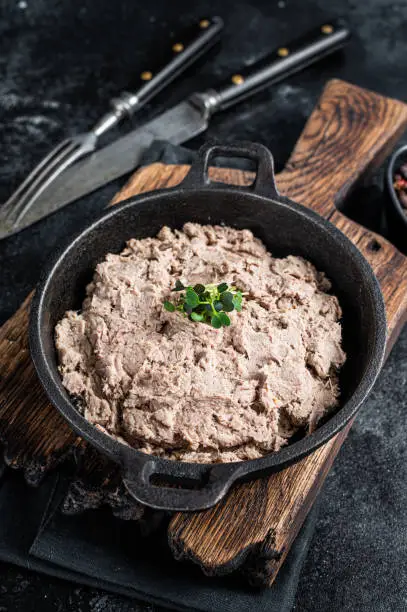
(396, 216)
(286, 228)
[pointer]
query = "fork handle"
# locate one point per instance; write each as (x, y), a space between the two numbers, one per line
(186, 48)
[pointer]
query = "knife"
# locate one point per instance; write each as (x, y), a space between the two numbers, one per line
(185, 120)
(187, 47)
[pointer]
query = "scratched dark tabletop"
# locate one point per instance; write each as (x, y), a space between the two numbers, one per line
(60, 63)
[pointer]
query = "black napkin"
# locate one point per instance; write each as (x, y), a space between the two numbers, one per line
(101, 551)
(98, 550)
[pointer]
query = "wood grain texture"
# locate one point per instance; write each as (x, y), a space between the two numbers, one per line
(258, 519)
(34, 435)
(349, 131)
(97, 482)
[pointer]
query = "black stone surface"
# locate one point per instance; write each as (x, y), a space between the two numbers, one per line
(60, 63)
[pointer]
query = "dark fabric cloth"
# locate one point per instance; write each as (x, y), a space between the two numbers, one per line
(162, 151)
(101, 551)
(98, 550)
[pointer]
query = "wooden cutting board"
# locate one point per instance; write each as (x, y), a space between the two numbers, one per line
(349, 131)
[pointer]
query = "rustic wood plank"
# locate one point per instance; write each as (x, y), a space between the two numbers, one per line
(34, 434)
(348, 131)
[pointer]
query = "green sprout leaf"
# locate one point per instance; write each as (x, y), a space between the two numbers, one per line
(228, 307)
(224, 319)
(199, 289)
(237, 301)
(206, 303)
(216, 322)
(178, 286)
(226, 297)
(191, 297)
(227, 301)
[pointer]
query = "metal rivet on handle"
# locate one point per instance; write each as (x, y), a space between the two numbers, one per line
(178, 47)
(204, 23)
(237, 79)
(146, 75)
(283, 52)
(327, 29)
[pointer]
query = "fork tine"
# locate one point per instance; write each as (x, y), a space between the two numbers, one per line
(38, 180)
(44, 162)
(53, 169)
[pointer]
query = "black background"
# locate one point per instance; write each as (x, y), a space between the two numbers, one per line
(60, 63)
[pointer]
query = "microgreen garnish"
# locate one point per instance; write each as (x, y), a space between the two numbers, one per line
(206, 303)
(178, 286)
(169, 306)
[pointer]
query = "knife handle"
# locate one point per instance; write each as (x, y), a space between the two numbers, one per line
(283, 62)
(186, 48)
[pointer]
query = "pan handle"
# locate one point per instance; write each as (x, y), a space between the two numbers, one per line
(194, 486)
(264, 182)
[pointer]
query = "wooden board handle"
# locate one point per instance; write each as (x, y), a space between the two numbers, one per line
(349, 130)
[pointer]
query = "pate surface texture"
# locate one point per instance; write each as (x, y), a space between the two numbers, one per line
(184, 390)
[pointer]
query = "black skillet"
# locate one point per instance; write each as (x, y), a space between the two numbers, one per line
(285, 227)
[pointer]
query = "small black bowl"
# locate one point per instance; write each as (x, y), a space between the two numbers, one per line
(395, 214)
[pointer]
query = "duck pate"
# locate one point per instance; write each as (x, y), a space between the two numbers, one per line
(184, 390)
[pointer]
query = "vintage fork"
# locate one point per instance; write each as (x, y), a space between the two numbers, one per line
(63, 155)
(190, 45)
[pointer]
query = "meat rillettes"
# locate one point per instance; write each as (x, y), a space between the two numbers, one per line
(184, 390)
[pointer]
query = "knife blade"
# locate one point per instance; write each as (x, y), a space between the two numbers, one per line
(182, 122)
(186, 120)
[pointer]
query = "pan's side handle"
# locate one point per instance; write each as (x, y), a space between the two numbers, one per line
(350, 130)
(263, 183)
(176, 486)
